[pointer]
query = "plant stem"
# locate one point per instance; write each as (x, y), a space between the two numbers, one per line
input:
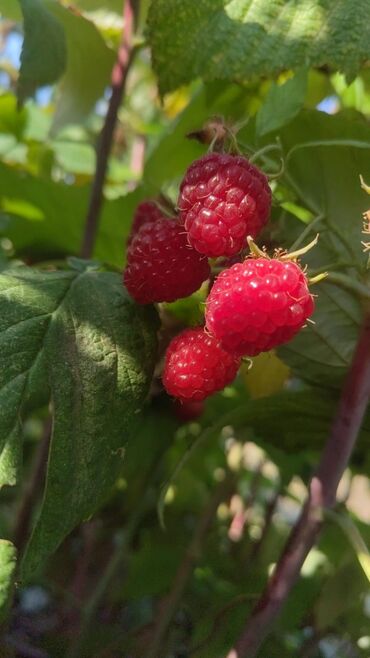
(32, 489)
(322, 494)
(171, 602)
(118, 81)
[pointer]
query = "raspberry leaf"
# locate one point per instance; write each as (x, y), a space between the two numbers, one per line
(242, 39)
(78, 335)
(44, 53)
(282, 103)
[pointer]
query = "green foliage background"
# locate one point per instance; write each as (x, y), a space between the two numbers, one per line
(74, 345)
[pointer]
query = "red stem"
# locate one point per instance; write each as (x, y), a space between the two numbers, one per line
(322, 494)
(118, 81)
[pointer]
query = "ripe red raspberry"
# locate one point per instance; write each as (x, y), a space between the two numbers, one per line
(257, 305)
(196, 366)
(146, 212)
(161, 267)
(223, 198)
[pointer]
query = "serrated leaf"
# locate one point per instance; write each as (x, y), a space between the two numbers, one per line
(282, 103)
(322, 352)
(82, 334)
(240, 39)
(323, 157)
(8, 556)
(44, 53)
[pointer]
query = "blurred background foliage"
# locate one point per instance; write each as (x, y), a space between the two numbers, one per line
(228, 484)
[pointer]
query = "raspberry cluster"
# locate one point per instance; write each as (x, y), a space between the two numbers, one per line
(253, 306)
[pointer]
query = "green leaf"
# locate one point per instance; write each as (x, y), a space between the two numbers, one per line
(44, 54)
(8, 556)
(95, 348)
(354, 536)
(341, 592)
(323, 170)
(322, 352)
(89, 65)
(324, 156)
(240, 39)
(282, 103)
(12, 121)
(53, 217)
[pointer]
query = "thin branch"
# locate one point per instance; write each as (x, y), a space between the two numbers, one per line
(170, 603)
(322, 494)
(118, 81)
(32, 489)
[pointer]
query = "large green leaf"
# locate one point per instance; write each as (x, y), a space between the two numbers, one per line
(8, 556)
(80, 333)
(239, 39)
(89, 67)
(44, 53)
(324, 156)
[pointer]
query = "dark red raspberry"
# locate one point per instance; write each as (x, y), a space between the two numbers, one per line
(223, 198)
(146, 212)
(196, 366)
(188, 410)
(257, 305)
(161, 267)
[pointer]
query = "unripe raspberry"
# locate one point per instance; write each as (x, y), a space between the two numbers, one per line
(146, 212)
(257, 305)
(161, 267)
(196, 366)
(223, 198)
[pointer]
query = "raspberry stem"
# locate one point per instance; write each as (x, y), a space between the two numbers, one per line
(322, 495)
(118, 81)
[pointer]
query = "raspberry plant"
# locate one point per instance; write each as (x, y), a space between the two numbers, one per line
(183, 384)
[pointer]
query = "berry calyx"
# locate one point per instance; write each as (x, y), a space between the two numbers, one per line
(147, 212)
(223, 198)
(259, 304)
(161, 267)
(196, 366)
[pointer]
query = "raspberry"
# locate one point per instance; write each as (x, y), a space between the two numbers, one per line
(223, 198)
(187, 410)
(161, 267)
(146, 212)
(196, 366)
(257, 305)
